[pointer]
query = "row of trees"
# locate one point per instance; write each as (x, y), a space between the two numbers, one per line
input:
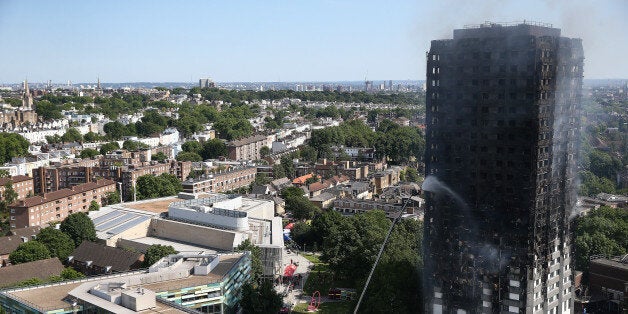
(398, 143)
(196, 151)
(235, 96)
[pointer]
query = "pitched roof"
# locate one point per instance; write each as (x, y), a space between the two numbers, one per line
(63, 193)
(302, 179)
(260, 189)
(8, 244)
(14, 179)
(246, 140)
(102, 255)
(26, 232)
(41, 269)
(317, 186)
(279, 183)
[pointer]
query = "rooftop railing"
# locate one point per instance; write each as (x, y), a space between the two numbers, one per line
(506, 24)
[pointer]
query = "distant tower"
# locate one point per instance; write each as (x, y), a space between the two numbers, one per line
(27, 97)
(206, 83)
(98, 90)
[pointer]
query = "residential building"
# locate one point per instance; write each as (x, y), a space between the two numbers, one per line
(55, 206)
(221, 181)
(9, 243)
(247, 148)
(97, 259)
(22, 185)
(502, 133)
(41, 269)
(608, 283)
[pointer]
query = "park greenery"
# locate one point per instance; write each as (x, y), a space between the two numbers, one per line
(349, 246)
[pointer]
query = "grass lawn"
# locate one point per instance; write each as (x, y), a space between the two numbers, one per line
(327, 307)
(321, 278)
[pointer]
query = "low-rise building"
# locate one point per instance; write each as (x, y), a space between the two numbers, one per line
(96, 259)
(208, 283)
(41, 269)
(55, 206)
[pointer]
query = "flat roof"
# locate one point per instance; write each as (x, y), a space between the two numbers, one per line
(179, 246)
(159, 205)
(52, 296)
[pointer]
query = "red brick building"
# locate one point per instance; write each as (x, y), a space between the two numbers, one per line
(23, 186)
(55, 206)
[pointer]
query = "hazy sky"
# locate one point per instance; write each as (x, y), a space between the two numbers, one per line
(296, 40)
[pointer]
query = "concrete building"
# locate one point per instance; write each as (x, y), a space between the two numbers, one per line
(55, 206)
(208, 283)
(502, 129)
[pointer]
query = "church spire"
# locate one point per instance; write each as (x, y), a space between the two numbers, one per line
(27, 98)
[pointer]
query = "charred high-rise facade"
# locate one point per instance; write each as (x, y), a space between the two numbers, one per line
(502, 129)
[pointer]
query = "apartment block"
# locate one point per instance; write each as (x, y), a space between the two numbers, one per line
(247, 148)
(22, 185)
(56, 206)
(221, 181)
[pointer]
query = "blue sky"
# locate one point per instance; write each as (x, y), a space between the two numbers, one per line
(297, 40)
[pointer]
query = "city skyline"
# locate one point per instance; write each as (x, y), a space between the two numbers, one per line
(271, 41)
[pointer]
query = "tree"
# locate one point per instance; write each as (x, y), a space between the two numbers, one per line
(156, 252)
(12, 145)
(91, 137)
(79, 227)
(188, 156)
(4, 173)
(256, 258)
(115, 130)
(108, 147)
(72, 135)
(9, 194)
(150, 186)
(288, 166)
(260, 298)
(301, 207)
(264, 151)
(278, 171)
(93, 206)
(133, 145)
(89, 153)
(160, 157)
(412, 175)
(303, 233)
(69, 273)
(48, 111)
(58, 243)
(213, 149)
(28, 252)
(192, 147)
(112, 198)
(603, 231)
